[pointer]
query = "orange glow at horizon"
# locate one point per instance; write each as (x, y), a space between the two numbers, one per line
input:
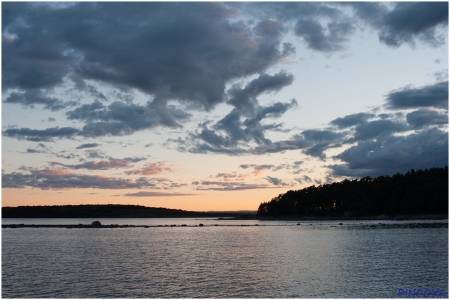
(202, 201)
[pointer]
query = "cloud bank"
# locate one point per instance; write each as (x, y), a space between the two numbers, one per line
(181, 58)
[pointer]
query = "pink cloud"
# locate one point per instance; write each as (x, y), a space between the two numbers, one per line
(65, 179)
(229, 186)
(152, 169)
(156, 194)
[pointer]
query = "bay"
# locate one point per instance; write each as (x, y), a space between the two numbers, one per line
(223, 259)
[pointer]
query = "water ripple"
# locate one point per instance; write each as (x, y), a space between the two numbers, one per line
(223, 262)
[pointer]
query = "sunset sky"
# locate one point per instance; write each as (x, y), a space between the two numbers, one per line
(216, 106)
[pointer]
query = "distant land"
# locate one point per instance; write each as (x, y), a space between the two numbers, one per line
(415, 193)
(109, 211)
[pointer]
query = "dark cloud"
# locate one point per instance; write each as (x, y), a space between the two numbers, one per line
(391, 154)
(87, 112)
(122, 96)
(66, 156)
(312, 142)
(29, 150)
(116, 119)
(31, 64)
(46, 45)
(135, 159)
(282, 167)
(414, 20)
(318, 149)
(36, 135)
(190, 53)
(40, 148)
(245, 99)
(297, 141)
(426, 117)
(94, 153)
(288, 49)
(315, 142)
(298, 163)
(408, 22)
(315, 135)
(234, 130)
(270, 28)
(178, 51)
(123, 118)
(199, 147)
(276, 181)
(11, 11)
(275, 110)
(328, 35)
(326, 27)
(30, 99)
(318, 181)
(95, 93)
(257, 167)
(65, 179)
(187, 52)
(371, 13)
(91, 145)
(373, 129)
(304, 178)
(97, 165)
(351, 120)
(318, 141)
(398, 116)
(287, 11)
(428, 96)
(331, 38)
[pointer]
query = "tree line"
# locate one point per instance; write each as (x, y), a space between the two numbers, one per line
(102, 211)
(412, 193)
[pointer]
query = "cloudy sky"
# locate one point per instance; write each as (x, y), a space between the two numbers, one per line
(211, 106)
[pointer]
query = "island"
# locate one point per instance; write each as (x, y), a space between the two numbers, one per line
(107, 211)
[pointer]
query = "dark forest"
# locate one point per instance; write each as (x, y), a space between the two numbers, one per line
(413, 193)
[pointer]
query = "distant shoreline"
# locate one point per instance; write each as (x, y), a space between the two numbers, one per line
(106, 211)
(223, 217)
(380, 217)
(142, 212)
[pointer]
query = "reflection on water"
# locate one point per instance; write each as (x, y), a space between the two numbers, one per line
(220, 261)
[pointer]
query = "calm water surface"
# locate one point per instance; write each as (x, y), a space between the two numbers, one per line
(275, 259)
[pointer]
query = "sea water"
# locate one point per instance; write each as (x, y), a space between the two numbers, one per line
(223, 259)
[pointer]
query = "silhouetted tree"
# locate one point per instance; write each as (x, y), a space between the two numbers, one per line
(415, 192)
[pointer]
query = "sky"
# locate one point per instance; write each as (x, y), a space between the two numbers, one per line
(216, 106)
